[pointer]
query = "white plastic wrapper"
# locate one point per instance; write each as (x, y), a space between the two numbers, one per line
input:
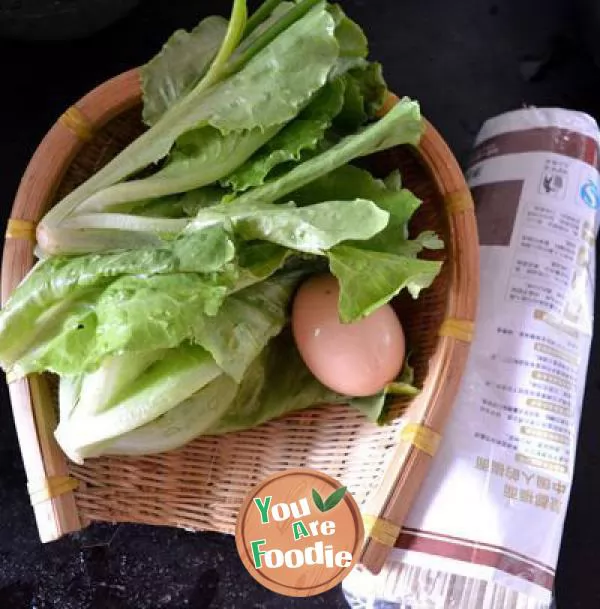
(485, 530)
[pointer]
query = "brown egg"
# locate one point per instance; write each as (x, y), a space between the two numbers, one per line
(355, 359)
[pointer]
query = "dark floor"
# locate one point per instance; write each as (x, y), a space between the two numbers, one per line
(465, 61)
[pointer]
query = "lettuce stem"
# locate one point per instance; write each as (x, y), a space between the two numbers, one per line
(262, 13)
(262, 41)
(235, 33)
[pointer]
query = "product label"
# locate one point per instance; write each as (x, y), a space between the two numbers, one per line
(498, 490)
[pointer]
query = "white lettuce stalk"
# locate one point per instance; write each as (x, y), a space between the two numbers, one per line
(162, 386)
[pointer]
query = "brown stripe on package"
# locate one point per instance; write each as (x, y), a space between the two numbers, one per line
(543, 139)
(497, 204)
(479, 554)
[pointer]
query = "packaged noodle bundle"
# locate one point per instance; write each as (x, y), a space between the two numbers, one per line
(485, 531)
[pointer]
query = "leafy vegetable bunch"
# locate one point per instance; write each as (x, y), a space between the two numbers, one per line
(162, 290)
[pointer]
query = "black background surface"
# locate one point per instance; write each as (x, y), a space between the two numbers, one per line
(465, 61)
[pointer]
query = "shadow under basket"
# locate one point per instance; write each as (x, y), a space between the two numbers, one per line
(201, 486)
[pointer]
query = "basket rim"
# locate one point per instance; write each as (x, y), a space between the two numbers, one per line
(52, 159)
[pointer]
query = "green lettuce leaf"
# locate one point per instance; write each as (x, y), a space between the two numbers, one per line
(372, 86)
(189, 58)
(312, 229)
(177, 206)
(199, 157)
(364, 96)
(99, 389)
(303, 134)
(157, 312)
(195, 200)
(132, 314)
(62, 344)
(279, 383)
(41, 307)
(280, 20)
(405, 384)
(138, 314)
(169, 207)
(353, 113)
(361, 102)
(258, 260)
(348, 182)
(402, 125)
(353, 43)
(245, 323)
(182, 61)
(373, 407)
(276, 383)
(411, 247)
(370, 279)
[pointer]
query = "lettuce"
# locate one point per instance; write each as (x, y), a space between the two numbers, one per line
(373, 271)
(312, 229)
(275, 85)
(199, 157)
(40, 307)
(159, 388)
(277, 382)
(183, 60)
(301, 135)
(349, 182)
(353, 43)
(365, 92)
(370, 279)
(168, 318)
(154, 298)
(275, 81)
(135, 386)
(178, 426)
(402, 125)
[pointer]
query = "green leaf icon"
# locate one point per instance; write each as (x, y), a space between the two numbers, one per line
(334, 498)
(318, 500)
(331, 501)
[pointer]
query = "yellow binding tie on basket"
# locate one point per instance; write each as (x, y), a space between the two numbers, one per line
(381, 530)
(459, 201)
(422, 437)
(48, 488)
(20, 229)
(461, 329)
(76, 121)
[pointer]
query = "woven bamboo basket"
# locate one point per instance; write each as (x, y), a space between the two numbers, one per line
(201, 486)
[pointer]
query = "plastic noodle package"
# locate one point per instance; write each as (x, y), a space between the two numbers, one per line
(485, 530)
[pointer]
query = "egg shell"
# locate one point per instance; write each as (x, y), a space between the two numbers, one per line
(356, 359)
